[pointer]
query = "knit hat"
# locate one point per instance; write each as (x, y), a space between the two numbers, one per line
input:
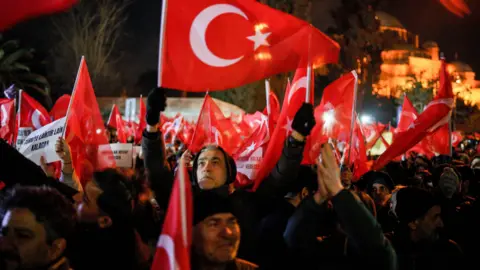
(413, 203)
(230, 164)
(373, 177)
(208, 203)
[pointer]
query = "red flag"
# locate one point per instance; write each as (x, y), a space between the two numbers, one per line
(32, 114)
(116, 121)
(436, 114)
(358, 153)
(86, 131)
(408, 115)
(173, 247)
(274, 109)
(457, 7)
(212, 128)
(15, 11)
(142, 121)
(439, 141)
(264, 42)
(294, 98)
(374, 132)
(334, 114)
(60, 108)
(7, 119)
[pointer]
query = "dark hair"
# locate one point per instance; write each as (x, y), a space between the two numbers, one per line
(50, 208)
(229, 164)
(116, 199)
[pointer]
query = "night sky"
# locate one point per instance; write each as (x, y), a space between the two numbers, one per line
(430, 20)
(139, 42)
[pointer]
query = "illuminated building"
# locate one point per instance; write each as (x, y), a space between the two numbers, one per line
(404, 58)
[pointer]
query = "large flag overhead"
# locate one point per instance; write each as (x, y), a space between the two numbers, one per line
(15, 11)
(236, 41)
(436, 114)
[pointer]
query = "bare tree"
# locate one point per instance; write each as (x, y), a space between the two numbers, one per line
(91, 29)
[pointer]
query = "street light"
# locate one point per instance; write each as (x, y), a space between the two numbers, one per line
(366, 119)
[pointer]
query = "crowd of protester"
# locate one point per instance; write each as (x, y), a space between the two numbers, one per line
(414, 214)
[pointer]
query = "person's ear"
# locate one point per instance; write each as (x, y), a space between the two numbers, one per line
(104, 222)
(57, 248)
(304, 193)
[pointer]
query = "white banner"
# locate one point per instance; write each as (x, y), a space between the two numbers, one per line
(123, 154)
(23, 133)
(250, 166)
(42, 141)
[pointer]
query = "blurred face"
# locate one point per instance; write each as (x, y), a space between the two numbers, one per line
(346, 177)
(216, 239)
(380, 193)
(23, 241)
(211, 170)
(428, 227)
(87, 208)
(448, 186)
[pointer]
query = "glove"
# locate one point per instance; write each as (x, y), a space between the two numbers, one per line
(304, 120)
(156, 103)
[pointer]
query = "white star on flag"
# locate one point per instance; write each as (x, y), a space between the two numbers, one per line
(288, 126)
(259, 39)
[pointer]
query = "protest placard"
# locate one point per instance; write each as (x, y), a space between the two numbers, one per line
(123, 154)
(41, 142)
(23, 133)
(251, 165)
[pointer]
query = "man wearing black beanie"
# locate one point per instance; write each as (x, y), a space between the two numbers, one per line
(216, 234)
(416, 239)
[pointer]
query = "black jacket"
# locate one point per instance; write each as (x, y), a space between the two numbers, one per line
(249, 207)
(366, 248)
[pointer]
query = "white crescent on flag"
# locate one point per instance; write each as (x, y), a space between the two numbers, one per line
(299, 84)
(199, 29)
(36, 119)
(166, 242)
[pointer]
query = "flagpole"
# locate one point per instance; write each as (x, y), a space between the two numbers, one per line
(19, 113)
(72, 97)
(354, 107)
(267, 95)
(111, 112)
(309, 85)
(309, 70)
(161, 42)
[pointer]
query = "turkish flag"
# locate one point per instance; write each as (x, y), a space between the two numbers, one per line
(294, 98)
(86, 131)
(115, 121)
(236, 41)
(15, 11)
(7, 119)
(334, 114)
(274, 109)
(60, 108)
(213, 128)
(32, 114)
(173, 247)
(357, 152)
(407, 117)
(436, 114)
